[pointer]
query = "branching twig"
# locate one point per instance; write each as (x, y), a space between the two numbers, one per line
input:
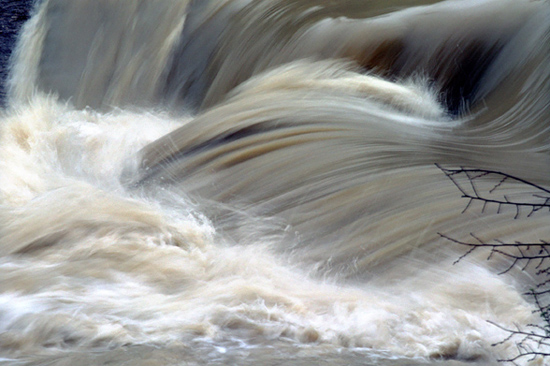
(538, 336)
(518, 252)
(489, 187)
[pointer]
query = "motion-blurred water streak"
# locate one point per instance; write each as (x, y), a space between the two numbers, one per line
(254, 182)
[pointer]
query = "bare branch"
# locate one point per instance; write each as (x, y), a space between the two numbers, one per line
(518, 252)
(488, 186)
(525, 340)
(499, 188)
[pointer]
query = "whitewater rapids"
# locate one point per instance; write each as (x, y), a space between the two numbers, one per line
(255, 182)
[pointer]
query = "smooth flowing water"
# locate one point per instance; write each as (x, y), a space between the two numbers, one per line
(253, 182)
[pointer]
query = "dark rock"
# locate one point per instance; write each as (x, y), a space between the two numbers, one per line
(13, 13)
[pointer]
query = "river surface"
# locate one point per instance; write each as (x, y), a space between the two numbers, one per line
(254, 182)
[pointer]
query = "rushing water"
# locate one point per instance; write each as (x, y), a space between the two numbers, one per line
(253, 181)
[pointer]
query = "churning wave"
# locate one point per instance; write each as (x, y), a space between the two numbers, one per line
(246, 182)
